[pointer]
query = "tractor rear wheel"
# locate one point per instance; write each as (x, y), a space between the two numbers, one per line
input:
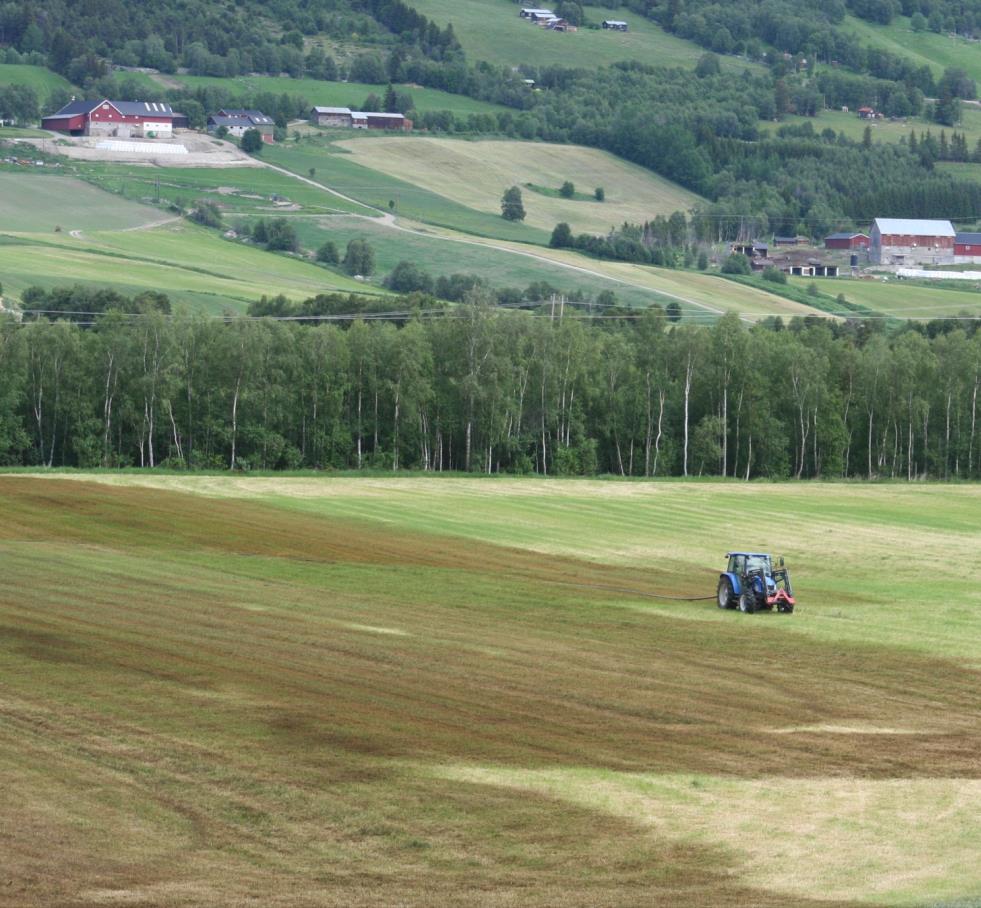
(725, 592)
(747, 602)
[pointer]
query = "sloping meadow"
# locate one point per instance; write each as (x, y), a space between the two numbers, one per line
(299, 691)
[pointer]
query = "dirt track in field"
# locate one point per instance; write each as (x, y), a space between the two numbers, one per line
(248, 690)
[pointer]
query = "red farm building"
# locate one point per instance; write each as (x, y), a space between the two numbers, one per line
(906, 241)
(124, 119)
(846, 241)
(967, 248)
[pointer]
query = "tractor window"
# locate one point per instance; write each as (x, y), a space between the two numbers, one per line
(737, 564)
(758, 563)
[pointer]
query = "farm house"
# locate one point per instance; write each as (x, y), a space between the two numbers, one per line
(846, 240)
(903, 241)
(124, 119)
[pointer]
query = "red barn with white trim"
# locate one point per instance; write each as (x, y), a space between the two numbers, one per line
(112, 118)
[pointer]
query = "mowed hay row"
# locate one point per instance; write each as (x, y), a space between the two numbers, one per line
(285, 706)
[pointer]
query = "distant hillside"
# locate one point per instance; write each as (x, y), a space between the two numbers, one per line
(491, 30)
(477, 173)
(938, 51)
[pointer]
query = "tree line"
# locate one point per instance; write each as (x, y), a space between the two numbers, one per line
(480, 389)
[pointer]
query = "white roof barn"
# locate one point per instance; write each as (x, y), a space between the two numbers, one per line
(913, 227)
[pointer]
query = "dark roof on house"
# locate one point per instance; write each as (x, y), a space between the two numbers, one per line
(256, 117)
(126, 108)
(230, 122)
(972, 239)
(845, 236)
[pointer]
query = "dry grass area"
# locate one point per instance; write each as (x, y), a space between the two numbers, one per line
(476, 174)
(327, 696)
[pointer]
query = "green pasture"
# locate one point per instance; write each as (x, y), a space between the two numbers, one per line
(341, 94)
(40, 203)
(42, 80)
(958, 171)
(236, 190)
(22, 132)
(491, 30)
(434, 690)
(340, 171)
(477, 173)
(926, 48)
(887, 130)
(443, 255)
(901, 299)
(193, 266)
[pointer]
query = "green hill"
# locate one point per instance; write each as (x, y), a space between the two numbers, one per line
(491, 30)
(475, 174)
(41, 79)
(926, 48)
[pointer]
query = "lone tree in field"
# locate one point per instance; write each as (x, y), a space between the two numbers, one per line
(599, 193)
(359, 258)
(561, 236)
(328, 254)
(512, 208)
(252, 141)
(567, 190)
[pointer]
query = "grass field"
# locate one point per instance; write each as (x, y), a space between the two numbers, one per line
(476, 174)
(193, 266)
(343, 94)
(970, 172)
(698, 292)
(927, 48)
(902, 299)
(439, 255)
(42, 80)
(420, 692)
(236, 190)
(341, 172)
(491, 30)
(35, 203)
(887, 131)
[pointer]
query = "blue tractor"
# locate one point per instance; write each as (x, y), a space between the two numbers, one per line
(752, 584)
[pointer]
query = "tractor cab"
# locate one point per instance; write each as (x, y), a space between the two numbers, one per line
(751, 583)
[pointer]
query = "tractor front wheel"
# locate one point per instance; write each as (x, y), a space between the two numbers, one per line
(725, 592)
(747, 602)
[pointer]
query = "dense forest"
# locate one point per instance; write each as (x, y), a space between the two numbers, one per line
(479, 389)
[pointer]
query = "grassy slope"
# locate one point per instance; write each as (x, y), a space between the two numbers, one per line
(191, 265)
(491, 30)
(344, 94)
(238, 190)
(342, 173)
(441, 256)
(42, 80)
(476, 174)
(296, 694)
(706, 291)
(900, 298)
(970, 172)
(888, 131)
(32, 203)
(939, 52)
